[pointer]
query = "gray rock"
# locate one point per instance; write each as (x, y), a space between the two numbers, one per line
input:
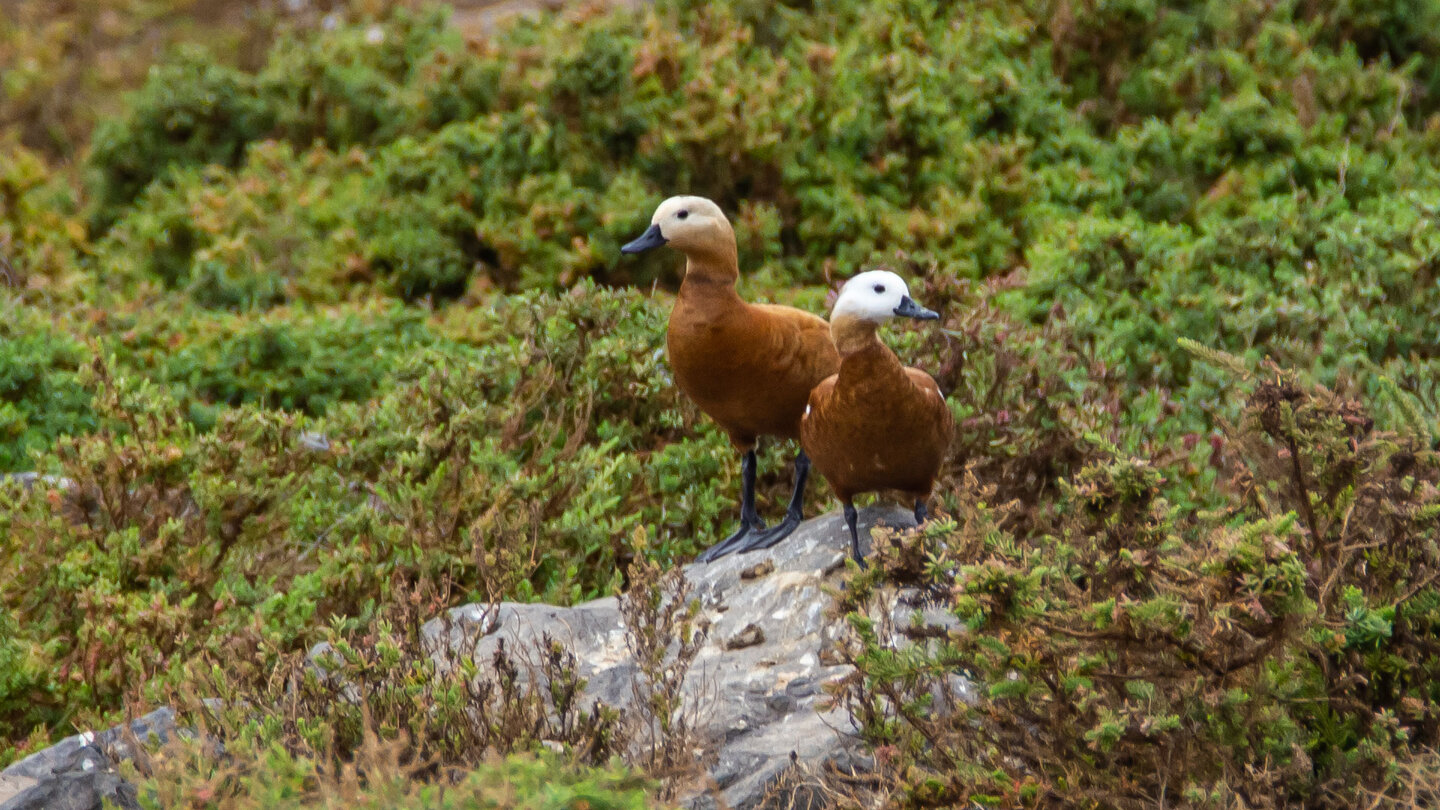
(82, 779)
(157, 726)
(12, 786)
(28, 480)
(755, 684)
(78, 773)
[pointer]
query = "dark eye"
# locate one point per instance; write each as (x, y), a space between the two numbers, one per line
(879, 288)
(682, 215)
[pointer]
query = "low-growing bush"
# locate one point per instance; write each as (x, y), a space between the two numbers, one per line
(190, 112)
(41, 395)
(664, 631)
(129, 561)
(1304, 280)
(371, 81)
(306, 363)
(375, 720)
(41, 239)
(1279, 652)
(276, 779)
(403, 710)
(532, 156)
(517, 467)
(278, 228)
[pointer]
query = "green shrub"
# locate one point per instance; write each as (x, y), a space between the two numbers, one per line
(41, 241)
(306, 363)
(136, 560)
(266, 779)
(370, 82)
(1308, 281)
(191, 112)
(293, 360)
(516, 459)
(279, 228)
(554, 140)
(41, 396)
(360, 84)
(1279, 653)
(426, 241)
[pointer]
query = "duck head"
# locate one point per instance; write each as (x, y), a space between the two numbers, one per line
(694, 226)
(876, 296)
(865, 302)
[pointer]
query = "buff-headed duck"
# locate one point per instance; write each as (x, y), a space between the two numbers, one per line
(749, 367)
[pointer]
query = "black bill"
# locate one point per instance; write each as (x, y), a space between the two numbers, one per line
(650, 239)
(909, 309)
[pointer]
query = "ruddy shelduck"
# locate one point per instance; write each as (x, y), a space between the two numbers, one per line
(876, 425)
(749, 367)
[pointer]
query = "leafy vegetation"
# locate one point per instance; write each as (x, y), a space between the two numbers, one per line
(1277, 653)
(375, 720)
(323, 313)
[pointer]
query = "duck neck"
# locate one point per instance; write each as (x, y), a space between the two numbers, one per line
(865, 362)
(854, 336)
(711, 273)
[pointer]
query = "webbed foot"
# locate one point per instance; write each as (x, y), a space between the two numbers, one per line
(794, 514)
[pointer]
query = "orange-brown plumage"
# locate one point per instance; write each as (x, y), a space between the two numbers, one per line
(750, 367)
(876, 424)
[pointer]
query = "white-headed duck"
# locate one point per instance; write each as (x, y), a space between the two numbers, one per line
(875, 425)
(750, 367)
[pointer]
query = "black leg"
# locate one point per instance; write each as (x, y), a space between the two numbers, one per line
(920, 514)
(748, 517)
(793, 515)
(749, 520)
(850, 518)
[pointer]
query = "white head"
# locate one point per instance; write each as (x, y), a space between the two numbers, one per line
(686, 224)
(877, 296)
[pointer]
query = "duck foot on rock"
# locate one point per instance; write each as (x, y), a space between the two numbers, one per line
(749, 520)
(731, 543)
(794, 514)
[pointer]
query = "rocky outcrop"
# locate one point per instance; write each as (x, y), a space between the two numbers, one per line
(78, 773)
(754, 688)
(756, 682)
